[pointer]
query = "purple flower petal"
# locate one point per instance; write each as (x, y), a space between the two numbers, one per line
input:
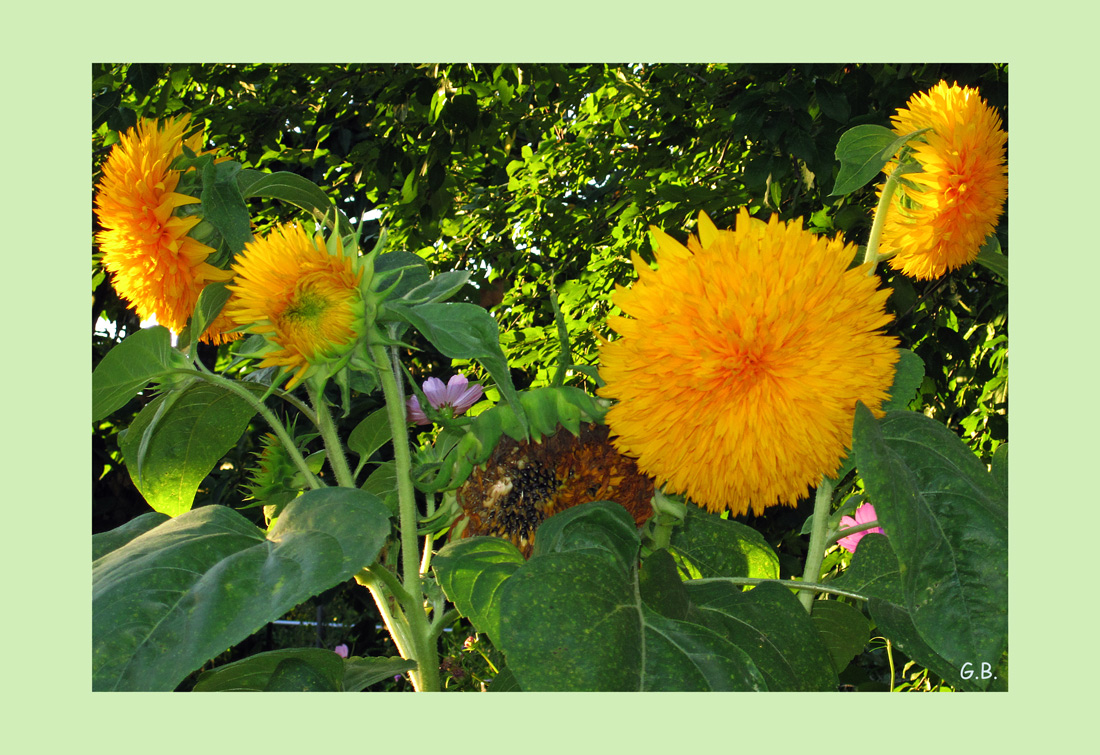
(416, 414)
(468, 398)
(341, 650)
(456, 386)
(435, 391)
(457, 394)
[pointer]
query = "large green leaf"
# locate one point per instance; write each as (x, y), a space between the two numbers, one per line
(370, 434)
(268, 671)
(175, 441)
(861, 155)
(132, 365)
(908, 375)
(471, 572)
(681, 653)
(999, 467)
(947, 520)
(719, 547)
(401, 271)
(991, 257)
(572, 622)
(296, 675)
(578, 616)
(603, 527)
(254, 673)
(293, 189)
(438, 289)
(843, 628)
(360, 673)
(463, 331)
(105, 542)
(893, 621)
(873, 571)
(184, 591)
(771, 626)
(223, 204)
(688, 656)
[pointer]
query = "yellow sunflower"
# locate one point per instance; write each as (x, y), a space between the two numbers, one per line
(154, 264)
(737, 372)
(303, 299)
(941, 222)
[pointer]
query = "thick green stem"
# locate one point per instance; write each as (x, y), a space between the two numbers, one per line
(334, 449)
(276, 425)
(822, 505)
(426, 678)
(871, 252)
(379, 581)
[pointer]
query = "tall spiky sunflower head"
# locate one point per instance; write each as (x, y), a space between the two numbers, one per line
(274, 474)
(940, 217)
(274, 479)
(523, 483)
(154, 264)
(304, 296)
(736, 373)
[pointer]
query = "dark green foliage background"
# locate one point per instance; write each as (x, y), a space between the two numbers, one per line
(546, 177)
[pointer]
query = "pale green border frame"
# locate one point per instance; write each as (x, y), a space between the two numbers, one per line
(47, 383)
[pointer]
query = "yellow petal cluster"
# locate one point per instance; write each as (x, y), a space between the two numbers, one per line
(736, 372)
(303, 299)
(940, 222)
(154, 264)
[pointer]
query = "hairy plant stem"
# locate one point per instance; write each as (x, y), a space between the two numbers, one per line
(276, 425)
(812, 575)
(334, 449)
(424, 652)
(870, 254)
(378, 580)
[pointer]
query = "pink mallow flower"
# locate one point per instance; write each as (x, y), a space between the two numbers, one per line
(341, 650)
(457, 394)
(864, 514)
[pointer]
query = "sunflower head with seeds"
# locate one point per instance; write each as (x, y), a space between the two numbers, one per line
(523, 483)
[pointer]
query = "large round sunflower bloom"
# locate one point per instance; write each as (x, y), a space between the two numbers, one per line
(940, 222)
(737, 373)
(154, 264)
(303, 299)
